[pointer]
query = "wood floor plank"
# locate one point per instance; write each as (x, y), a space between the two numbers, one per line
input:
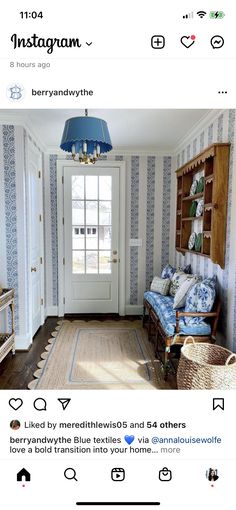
(17, 371)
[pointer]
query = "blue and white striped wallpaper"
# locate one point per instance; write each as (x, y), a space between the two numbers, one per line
(9, 169)
(134, 230)
(166, 196)
(150, 224)
(54, 237)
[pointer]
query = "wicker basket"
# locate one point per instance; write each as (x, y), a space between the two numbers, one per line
(205, 366)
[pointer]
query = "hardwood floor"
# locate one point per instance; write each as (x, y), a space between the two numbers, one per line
(17, 371)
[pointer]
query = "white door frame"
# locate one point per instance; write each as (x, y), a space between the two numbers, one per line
(41, 264)
(121, 168)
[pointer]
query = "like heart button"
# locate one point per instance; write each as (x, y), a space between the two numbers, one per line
(15, 403)
(188, 40)
(129, 439)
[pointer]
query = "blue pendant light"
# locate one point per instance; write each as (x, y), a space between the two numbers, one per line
(87, 137)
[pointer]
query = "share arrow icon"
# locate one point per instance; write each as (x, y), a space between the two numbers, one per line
(64, 402)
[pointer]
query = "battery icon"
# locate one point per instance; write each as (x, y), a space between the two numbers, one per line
(217, 14)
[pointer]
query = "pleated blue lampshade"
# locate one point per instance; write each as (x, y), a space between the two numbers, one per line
(85, 129)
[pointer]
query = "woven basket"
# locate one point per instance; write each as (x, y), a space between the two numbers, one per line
(205, 366)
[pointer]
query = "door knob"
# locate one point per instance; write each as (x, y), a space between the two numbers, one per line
(113, 260)
(33, 269)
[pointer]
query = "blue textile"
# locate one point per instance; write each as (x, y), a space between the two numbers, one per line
(200, 298)
(163, 306)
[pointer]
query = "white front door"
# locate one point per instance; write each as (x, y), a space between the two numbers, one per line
(91, 209)
(35, 213)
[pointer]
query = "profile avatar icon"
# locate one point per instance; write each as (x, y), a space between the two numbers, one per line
(15, 92)
(212, 475)
(15, 424)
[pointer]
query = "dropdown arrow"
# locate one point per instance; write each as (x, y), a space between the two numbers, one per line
(89, 43)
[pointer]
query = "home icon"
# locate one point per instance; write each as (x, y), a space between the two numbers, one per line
(23, 475)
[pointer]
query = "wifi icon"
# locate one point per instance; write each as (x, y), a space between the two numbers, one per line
(201, 14)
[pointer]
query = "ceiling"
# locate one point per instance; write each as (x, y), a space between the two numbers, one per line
(142, 129)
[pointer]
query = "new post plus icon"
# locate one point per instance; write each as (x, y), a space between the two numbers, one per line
(158, 42)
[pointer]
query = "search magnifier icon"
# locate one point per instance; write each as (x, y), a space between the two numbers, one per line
(70, 474)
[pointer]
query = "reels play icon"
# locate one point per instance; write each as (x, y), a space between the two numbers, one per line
(118, 474)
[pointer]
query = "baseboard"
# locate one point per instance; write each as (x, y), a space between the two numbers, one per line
(133, 310)
(23, 342)
(52, 311)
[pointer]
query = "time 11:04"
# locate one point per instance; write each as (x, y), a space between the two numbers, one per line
(31, 14)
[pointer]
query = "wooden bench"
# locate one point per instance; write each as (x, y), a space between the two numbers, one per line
(164, 343)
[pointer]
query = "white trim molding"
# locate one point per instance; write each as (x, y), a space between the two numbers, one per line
(23, 342)
(134, 310)
(201, 124)
(53, 311)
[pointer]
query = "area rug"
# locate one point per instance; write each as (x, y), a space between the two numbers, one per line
(98, 355)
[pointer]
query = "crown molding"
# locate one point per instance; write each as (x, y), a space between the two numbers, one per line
(9, 117)
(206, 119)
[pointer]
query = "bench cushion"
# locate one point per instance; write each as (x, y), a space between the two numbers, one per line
(163, 306)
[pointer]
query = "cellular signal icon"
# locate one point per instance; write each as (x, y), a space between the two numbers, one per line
(201, 14)
(188, 16)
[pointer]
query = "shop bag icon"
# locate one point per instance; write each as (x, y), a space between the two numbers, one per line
(165, 475)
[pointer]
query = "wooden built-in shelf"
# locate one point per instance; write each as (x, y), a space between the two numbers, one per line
(193, 197)
(192, 218)
(185, 250)
(213, 165)
(209, 178)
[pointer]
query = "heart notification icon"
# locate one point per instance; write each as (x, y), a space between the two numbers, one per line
(188, 40)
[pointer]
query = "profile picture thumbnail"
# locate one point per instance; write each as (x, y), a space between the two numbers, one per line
(212, 474)
(15, 424)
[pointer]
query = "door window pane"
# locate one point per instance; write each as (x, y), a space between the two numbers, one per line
(91, 212)
(104, 213)
(77, 212)
(77, 238)
(104, 264)
(105, 187)
(78, 262)
(91, 187)
(77, 182)
(104, 238)
(92, 238)
(91, 224)
(91, 262)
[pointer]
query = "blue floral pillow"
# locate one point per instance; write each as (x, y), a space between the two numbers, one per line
(168, 272)
(211, 281)
(200, 298)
